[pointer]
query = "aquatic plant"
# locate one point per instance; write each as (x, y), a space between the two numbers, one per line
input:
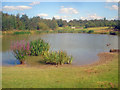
(57, 57)
(38, 47)
(21, 49)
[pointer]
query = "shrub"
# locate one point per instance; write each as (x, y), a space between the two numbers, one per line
(21, 49)
(42, 26)
(113, 33)
(38, 47)
(56, 58)
(90, 31)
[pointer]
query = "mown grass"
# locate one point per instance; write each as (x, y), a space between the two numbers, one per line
(67, 76)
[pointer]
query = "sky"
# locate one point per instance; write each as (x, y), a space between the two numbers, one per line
(63, 10)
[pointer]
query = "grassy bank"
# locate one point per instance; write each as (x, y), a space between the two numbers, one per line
(104, 75)
(94, 30)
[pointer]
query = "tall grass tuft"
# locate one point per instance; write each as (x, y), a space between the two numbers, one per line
(38, 47)
(57, 58)
(21, 49)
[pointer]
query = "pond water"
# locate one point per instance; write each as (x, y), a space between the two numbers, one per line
(83, 47)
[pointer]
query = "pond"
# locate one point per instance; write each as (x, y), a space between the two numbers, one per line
(83, 47)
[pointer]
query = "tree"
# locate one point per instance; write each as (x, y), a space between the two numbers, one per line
(24, 19)
(10, 22)
(42, 26)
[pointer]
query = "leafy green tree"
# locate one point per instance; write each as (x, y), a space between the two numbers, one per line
(25, 20)
(42, 26)
(10, 22)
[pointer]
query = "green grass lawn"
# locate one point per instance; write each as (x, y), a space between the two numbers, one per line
(66, 76)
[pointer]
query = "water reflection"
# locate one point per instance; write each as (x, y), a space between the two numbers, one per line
(83, 47)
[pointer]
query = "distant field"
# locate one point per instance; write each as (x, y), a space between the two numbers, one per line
(100, 76)
(95, 30)
(98, 28)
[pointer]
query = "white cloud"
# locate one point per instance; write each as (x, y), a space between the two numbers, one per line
(91, 17)
(22, 13)
(42, 15)
(57, 17)
(113, 7)
(12, 8)
(68, 18)
(49, 18)
(61, 17)
(34, 3)
(112, 0)
(68, 10)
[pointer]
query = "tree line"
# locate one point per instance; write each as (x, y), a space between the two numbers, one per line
(12, 22)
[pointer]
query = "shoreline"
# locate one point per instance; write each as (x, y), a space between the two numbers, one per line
(22, 32)
(59, 32)
(103, 58)
(98, 76)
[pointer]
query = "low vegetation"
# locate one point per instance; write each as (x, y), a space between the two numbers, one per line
(21, 32)
(37, 47)
(90, 31)
(93, 30)
(21, 50)
(57, 58)
(113, 33)
(67, 76)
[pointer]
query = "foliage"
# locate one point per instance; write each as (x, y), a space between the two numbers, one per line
(90, 31)
(42, 26)
(113, 33)
(21, 32)
(38, 47)
(56, 58)
(10, 22)
(21, 49)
